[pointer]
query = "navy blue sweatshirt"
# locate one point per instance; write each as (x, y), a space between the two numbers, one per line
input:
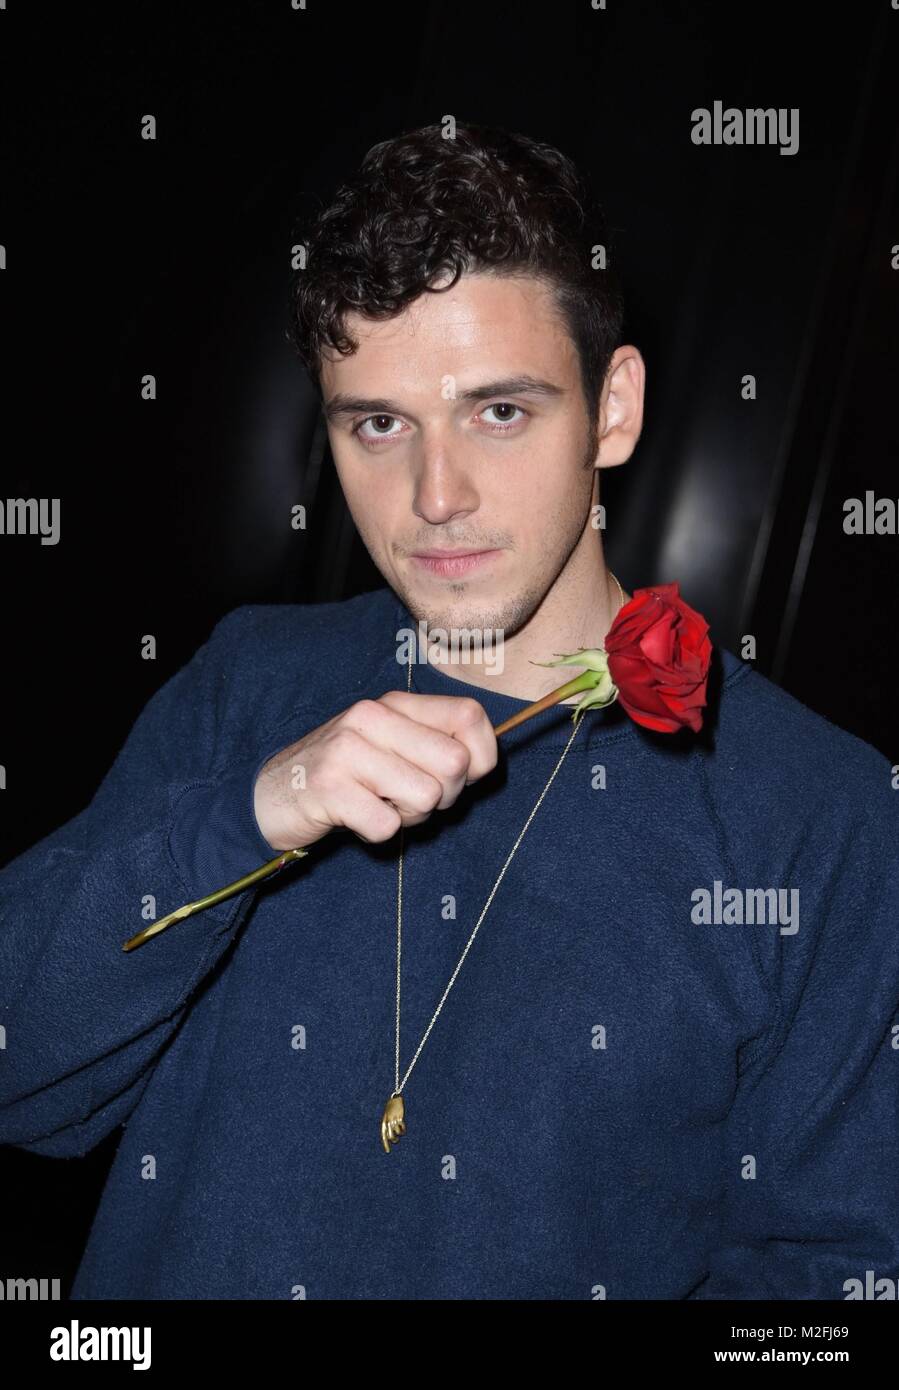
(668, 1068)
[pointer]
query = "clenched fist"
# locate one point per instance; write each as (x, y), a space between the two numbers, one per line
(376, 766)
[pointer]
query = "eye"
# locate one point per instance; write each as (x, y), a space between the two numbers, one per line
(505, 424)
(380, 424)
(379, 433)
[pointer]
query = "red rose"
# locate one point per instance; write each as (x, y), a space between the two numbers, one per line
(659, 659)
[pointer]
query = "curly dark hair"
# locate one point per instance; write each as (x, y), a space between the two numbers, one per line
(421, 206)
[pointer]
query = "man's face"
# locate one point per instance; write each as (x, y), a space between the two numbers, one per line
(434, 453)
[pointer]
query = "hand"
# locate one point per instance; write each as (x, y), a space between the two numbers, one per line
(376, 766)
(393, 1124)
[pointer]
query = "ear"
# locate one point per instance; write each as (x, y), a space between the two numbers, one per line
(621, 407)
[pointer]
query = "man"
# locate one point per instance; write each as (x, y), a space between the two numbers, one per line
(594, 1089)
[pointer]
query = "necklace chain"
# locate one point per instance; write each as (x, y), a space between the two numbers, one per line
(399, 903)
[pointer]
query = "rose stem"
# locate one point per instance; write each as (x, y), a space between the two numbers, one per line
(584, 681)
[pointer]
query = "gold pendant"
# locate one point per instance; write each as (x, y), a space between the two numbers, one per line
(392, 1122)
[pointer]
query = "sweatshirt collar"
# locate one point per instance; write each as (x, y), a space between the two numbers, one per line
(550, 729)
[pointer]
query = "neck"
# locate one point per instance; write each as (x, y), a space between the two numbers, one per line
(577, 612)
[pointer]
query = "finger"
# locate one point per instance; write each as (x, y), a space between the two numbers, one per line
(424, 752)
(459, 716)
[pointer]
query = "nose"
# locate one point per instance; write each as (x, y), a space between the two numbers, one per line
(444, 488)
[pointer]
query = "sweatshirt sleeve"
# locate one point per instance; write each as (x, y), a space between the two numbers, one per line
(83, 1021)
(215, 835)
(810, 1188)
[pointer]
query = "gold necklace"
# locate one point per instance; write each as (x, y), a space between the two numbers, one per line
(393, 1119)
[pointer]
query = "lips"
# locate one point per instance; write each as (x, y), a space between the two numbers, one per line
(449, 563)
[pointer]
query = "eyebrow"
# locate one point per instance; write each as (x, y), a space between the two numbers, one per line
(344, 404)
